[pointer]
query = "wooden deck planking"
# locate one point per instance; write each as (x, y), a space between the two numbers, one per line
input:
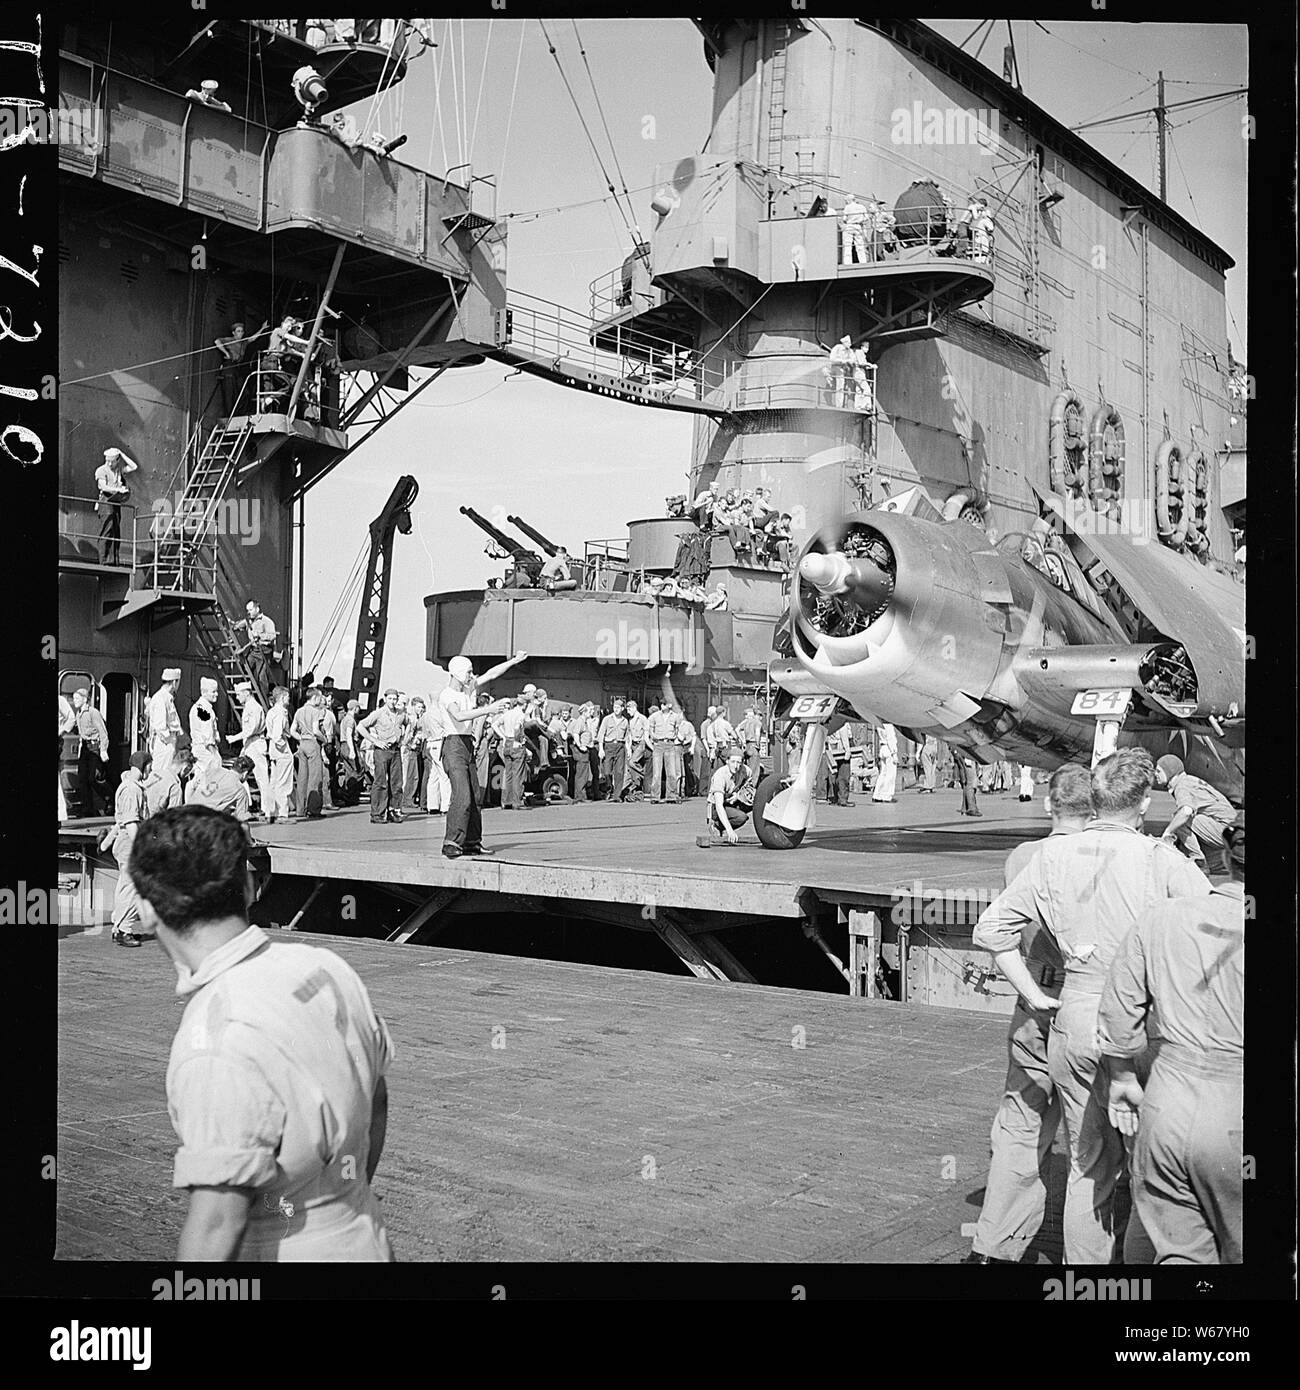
(762, 1151)
(633, 853)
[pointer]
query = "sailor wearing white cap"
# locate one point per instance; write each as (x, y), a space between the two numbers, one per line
(252, 739)
(164, 722)
(456, 704)
(204, 738)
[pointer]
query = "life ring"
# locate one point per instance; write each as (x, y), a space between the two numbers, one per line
(1067, 445)
(1173, 511)
(1106, 460)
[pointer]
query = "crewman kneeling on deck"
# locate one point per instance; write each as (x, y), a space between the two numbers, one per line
(222, 788)
(1025, 1125)
(730, 800)
(275, 1084)
(1088, 890)
(1180, 981)
(1202, 816)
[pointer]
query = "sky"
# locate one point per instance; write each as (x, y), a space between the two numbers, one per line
(578, 467)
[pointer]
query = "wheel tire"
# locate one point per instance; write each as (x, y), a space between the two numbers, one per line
(772, 836)
(555, 787)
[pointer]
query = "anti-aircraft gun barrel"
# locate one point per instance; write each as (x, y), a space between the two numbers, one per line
(533, 535)
(526, 560)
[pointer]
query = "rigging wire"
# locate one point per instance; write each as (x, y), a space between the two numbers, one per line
(482, 77)
(514, 89)
(618, 168)
(1099, 57)
(609, 183)
(438, 123)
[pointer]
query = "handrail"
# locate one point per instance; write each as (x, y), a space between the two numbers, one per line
(553, 332)
(71, 505)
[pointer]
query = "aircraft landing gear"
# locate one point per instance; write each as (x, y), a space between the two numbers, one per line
(773, 836)
(790, 799)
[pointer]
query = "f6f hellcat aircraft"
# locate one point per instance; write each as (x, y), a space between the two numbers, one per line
(1055, 644)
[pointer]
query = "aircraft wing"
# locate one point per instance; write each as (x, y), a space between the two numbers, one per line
(1186, 602)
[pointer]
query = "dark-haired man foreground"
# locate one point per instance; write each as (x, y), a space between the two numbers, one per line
(275, 1083)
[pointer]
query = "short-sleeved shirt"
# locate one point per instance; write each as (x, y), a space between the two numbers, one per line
(613, 729)
(662, 724)
(384, 726)
(1088, 889)
(111, 481)
(460, 702)
(91, 727)
(271, 1085)
(638, 726)
(722, 781)
(261, 630)
(130, 806)
(1184, 965)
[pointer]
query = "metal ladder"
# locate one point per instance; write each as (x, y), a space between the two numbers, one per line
(221, 644)
(776, 100)
(189, 527)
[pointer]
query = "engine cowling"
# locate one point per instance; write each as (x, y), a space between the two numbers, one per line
(894, 614)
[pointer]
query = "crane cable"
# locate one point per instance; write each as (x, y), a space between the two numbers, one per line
(612, 147)
(340, 604)
(478, 103)
(510, 115)
(609, 183)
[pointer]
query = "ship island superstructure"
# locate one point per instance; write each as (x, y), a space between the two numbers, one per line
(1026, 322)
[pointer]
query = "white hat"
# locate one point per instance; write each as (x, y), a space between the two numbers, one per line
(243, 687)
(530, 690)
(459, 668)
(207, 683)
(172, 673)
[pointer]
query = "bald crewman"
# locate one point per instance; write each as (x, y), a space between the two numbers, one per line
(461, 714)
(205, 741)
(165, 725)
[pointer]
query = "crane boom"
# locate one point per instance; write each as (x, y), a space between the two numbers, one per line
(372, 624)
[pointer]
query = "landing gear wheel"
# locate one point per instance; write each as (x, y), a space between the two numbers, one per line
(555, 787)
(772, 836)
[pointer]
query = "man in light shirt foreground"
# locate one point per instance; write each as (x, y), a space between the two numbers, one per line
(275, 1085)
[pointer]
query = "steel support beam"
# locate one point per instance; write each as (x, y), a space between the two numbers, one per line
(424, 924)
